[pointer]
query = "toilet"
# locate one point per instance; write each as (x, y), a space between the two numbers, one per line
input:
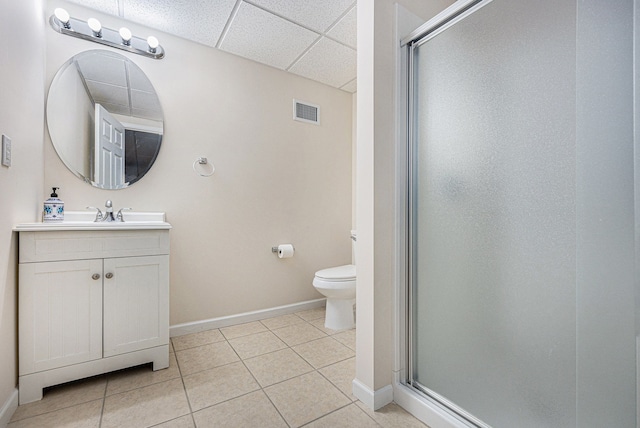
(338, 284)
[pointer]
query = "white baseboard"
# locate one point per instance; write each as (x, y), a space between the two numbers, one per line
(372, 399)
(8, 408)
(197, 326)
(429, 413)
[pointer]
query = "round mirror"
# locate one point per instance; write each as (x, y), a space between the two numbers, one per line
(104, 119)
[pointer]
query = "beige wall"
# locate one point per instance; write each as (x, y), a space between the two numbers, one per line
(21, 118)
(376, 186)
(276, 180)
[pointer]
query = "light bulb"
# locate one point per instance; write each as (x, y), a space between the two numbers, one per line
(153, 43)
(95, 26)
(126, 35)
(62, 16)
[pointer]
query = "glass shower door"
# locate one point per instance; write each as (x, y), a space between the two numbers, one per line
(492, 215)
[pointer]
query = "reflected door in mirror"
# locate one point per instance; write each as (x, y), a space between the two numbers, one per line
(109, 150)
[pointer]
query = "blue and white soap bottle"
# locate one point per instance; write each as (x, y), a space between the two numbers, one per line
(53, 208)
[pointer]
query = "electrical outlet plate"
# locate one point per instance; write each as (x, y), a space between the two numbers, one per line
(6, 150)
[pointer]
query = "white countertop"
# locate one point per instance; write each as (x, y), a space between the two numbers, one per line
(83, 220)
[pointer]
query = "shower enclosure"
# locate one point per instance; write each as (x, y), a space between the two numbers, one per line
(521, 242)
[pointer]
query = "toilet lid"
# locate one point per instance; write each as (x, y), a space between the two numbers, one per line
(346, 272)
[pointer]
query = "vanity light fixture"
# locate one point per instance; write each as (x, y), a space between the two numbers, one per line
(153, 44)
(126, 35)
(94, 31)
(95, 26)
(62, 16)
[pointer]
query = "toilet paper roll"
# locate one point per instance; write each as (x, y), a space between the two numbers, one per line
(285, 251)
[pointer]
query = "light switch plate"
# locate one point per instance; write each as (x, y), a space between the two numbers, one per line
(6, 150)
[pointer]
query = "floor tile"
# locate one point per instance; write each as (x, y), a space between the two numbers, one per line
(305, 398)
(277, 366)
(181, 422)
(347, 338)
(62, 396)
(86, 415)
(323, 352)
(341, 375)
(281, 321)
(312, 314)
(216, 385)
(298, 333)
(347, 417)
(205, 337)
(256, 344)
(137, 377)
(391, 416)
(249, 411)
(243, 330)
(205, 357)
(146, 406)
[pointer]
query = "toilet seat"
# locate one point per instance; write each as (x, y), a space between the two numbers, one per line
(337, 274)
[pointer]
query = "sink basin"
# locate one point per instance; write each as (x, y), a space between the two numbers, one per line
(83, 220)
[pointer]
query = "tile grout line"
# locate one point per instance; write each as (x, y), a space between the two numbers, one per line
(184, 387)
(104, 400)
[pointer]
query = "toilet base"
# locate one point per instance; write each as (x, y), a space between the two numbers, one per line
(339, 314)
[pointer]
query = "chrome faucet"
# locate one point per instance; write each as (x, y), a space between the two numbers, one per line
(119, 216)
(108, 213)
(99, 215)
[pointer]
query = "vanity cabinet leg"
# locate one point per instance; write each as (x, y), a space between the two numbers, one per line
(29, 390)
(161, 359)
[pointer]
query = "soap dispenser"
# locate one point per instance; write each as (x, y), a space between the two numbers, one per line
(53, 208)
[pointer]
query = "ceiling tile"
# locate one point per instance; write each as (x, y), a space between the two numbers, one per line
(103, 68)
(328, 62)
(315, 14)
(351, 86)
(106, 6)
(138, 80)
(198, 20)
(145, 101)
(345, 30)
(266, 38)
(108, 94)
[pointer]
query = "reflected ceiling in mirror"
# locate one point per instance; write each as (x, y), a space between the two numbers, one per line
(105, 119)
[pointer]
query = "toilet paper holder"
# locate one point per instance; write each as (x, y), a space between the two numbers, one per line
(284, 251)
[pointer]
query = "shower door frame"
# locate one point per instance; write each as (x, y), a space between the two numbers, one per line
(460, 10)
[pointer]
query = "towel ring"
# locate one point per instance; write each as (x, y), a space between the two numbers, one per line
(203, 161)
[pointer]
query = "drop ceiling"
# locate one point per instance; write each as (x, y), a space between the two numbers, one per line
(315, 39)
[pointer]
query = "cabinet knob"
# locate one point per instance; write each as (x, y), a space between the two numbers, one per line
(109, 275)
(95, 276)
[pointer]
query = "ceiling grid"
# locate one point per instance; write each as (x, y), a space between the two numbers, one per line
(310, 38)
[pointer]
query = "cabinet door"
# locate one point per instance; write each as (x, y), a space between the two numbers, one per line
(136, 303)
(60, 314)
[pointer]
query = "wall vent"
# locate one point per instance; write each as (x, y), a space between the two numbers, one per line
(306, 112)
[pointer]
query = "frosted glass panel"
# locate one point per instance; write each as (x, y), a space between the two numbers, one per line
(494, 209)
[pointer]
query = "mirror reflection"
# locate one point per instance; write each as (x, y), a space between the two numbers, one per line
(104, 119)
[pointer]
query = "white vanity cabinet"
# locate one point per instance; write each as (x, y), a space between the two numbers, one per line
(90, 302)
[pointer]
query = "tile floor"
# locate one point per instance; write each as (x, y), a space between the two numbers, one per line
(287, 371)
